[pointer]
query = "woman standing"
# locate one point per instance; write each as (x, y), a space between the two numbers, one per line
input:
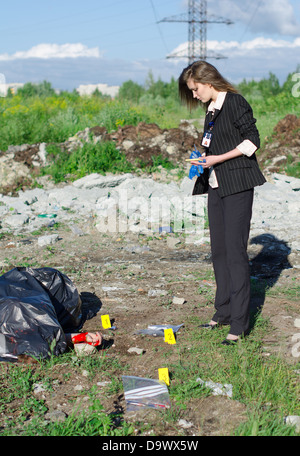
(230, 172)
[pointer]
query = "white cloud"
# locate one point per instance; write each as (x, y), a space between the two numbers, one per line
(54, 51)
(235, 48)
(249, 59)
(268, 16)
(256, 43)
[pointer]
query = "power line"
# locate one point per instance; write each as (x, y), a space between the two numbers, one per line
(252, 17)
(157, 22)
(197, 30)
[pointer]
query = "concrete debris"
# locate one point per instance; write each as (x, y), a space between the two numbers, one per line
(116, 204)
(177, 300)
(217, 388)
(48, 240)
(293, 420)
(136, 350)
(83, 349)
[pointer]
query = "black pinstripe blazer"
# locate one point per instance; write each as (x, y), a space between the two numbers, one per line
(233, 123)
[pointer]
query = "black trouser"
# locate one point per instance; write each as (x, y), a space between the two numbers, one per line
(229, 222)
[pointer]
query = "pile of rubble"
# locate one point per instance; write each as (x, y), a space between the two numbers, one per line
(283, 147)
(120, 203)
(20, 164)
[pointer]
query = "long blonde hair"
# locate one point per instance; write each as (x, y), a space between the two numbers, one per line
(205, 73)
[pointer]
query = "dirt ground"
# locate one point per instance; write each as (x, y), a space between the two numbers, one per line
(133, 278)
(117, 275)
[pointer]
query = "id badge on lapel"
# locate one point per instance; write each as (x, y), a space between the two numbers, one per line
(207, 136)
(206, 139)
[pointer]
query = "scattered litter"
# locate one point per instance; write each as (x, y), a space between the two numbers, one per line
(138, 351)
(76, 230)
(103, 383)
(145, 392)
(293, 420)
(165, 229)
(185, 424)
(47, 215)
(177, 300)
(158, 330)
(106, 289)
(56, 415)
(173, 242)
(137, 249)
(297, 322)
(48, 239)
(218, 388)
(153, 293)
(78, 388)
(39, 388)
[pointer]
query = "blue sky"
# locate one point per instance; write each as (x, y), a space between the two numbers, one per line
(73, 42)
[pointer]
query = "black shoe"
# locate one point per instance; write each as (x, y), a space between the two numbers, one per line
(208, 326)
(229, 342)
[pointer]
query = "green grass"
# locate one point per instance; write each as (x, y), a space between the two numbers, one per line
(266, 385)
(91, 158)
(293, 169)
(102, 157)
(36, 114)
(88, 421)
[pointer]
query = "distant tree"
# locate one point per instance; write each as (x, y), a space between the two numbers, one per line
(73, 96)
(155, 88)
(43, 89)
(171, 89)
(248, 88)
(160, 88)
(130, 91)
(263, 88)
(10, 92)
(149, 83)
(102, 96)
(270, 86)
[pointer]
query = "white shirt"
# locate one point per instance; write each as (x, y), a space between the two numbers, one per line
(246, 147)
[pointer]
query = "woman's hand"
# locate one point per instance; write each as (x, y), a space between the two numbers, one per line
(207, 162)
(211, 160)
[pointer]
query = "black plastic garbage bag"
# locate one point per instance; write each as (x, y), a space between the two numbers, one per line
(37, 307)
(63, 294)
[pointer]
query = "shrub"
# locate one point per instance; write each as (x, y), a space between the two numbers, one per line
(90, 158)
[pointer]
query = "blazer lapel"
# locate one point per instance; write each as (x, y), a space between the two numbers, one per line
(217, 112)
(211, 117)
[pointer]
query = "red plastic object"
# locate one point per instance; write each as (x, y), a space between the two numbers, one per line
(81, 337)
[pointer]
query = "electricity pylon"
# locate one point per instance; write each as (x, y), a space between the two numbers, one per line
(197, 30)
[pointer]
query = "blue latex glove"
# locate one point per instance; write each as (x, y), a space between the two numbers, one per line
(195, 170)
